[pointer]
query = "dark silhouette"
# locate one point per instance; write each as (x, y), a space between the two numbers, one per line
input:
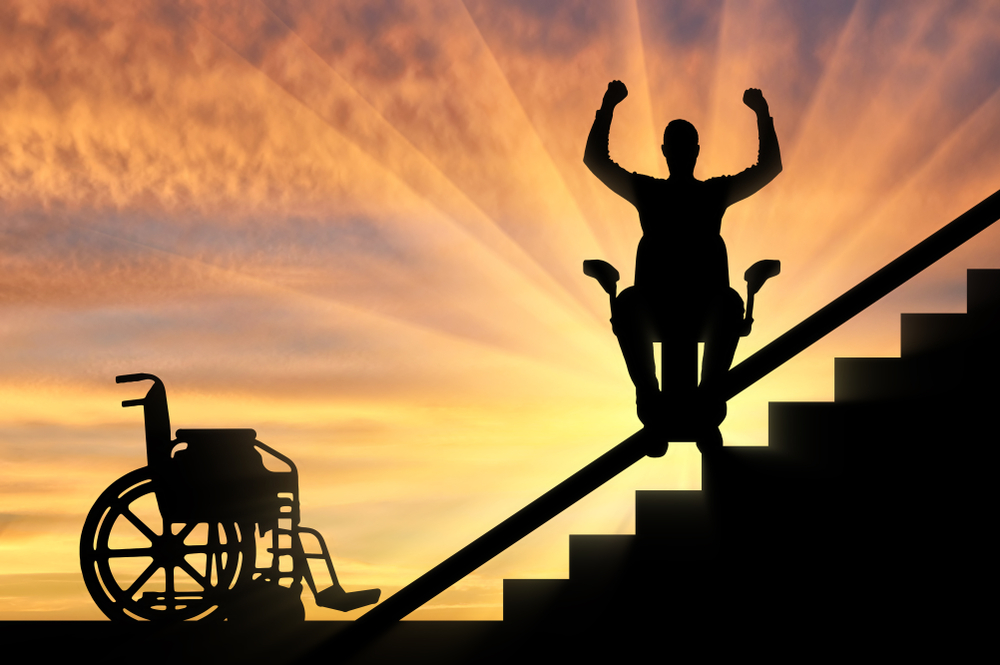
(197, 510)
(863, 524)
(781, 510)
(681, 362)
(681, 293)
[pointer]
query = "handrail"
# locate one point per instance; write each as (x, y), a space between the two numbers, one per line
(508, 532)
(630, 451)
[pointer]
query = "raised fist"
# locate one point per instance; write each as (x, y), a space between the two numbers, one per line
(616, 92)
(754, 98)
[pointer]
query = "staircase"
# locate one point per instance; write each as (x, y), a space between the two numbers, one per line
(877, 505)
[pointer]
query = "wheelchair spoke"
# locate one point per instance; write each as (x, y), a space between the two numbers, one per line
(195, 575)
(198, 549)
(142, 579)
(140, 525)
(169, 574)
(126, 552)
(183, 533)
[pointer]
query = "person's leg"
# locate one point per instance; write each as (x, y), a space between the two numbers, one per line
(632, 325)
(722, 334)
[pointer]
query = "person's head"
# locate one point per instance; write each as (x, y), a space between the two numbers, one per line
(680, 147)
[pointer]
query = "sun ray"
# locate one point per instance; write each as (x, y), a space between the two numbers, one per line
(679, 42)
(933, 113)
(861, 188)
(423, 104)
(558, 60)
(568, 358)
(579, 209)
(755, 42)
(428, 225)
(843, 107)
(903, 217)
(422, 175)
(644, 82)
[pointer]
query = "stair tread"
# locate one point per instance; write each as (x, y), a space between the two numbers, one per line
(860, 379)
(983, 291)
(922, 333)
(525, 600)
(678, 512)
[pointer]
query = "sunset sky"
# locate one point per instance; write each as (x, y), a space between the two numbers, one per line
(358, 228)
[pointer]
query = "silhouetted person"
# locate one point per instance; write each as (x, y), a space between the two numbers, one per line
(681, 292)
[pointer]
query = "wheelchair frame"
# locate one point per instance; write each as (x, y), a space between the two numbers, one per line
(177, 539)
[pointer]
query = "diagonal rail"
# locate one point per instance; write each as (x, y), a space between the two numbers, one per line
(960, 230)
(630, 451)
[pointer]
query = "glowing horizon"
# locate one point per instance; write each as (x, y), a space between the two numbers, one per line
(358, 228)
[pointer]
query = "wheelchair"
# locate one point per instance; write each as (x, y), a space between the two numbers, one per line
(679, 360)
(205, 531)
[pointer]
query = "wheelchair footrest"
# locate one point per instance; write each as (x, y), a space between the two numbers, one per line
(335, 598)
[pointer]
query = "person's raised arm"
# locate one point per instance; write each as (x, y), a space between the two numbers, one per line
(768, 164)
(596, 156)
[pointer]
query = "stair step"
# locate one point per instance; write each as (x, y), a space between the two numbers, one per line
(527, 600)
(808, 435)
(837, 478)
(597, 558)
(983, 292)
(933, 333)
(884, 379)
(857, 379)
(680, 514)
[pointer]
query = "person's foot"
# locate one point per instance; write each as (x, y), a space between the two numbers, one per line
(711, 408)
(659, 445)
(709, 441)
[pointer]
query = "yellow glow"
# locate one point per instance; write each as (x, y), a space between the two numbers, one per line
(360, 231)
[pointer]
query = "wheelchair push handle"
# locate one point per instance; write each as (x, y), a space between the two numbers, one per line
(755, 277)
(140, 376)
(156, 417)
(605, 274)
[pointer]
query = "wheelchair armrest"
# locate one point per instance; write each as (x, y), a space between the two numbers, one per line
(605, 274)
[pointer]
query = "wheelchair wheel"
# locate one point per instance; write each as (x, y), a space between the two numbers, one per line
(139, 567)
